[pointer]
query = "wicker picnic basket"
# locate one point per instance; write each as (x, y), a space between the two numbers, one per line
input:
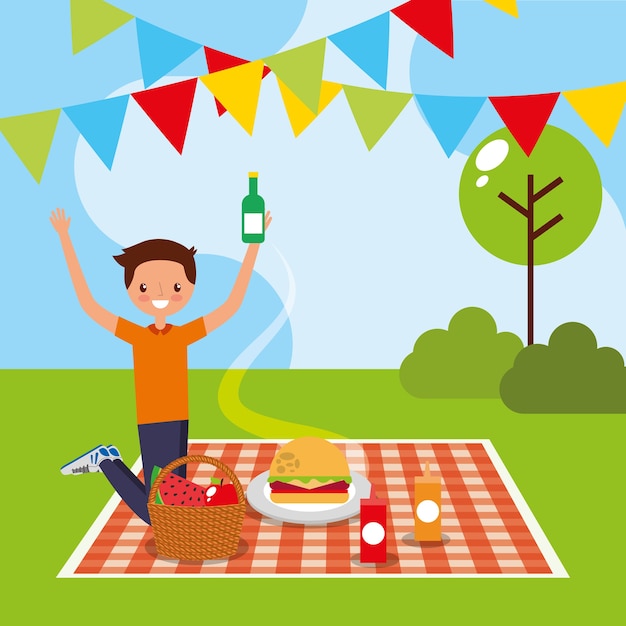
(196, 533)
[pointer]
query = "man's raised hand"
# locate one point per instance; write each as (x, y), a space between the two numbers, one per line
(59, 222)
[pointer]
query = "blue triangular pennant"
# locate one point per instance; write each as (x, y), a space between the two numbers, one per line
(367, 45)
(100, 123)
(160, 51)
(449, 117)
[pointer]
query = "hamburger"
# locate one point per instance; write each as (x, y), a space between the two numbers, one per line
(309, 470)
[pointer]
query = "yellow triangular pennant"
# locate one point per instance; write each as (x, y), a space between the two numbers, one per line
(508, 6)
(600, 108)
(300, 116)
(238, 90)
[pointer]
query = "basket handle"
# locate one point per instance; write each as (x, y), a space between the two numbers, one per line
(195, 458)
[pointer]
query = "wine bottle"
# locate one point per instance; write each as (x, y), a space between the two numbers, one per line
(253, 213)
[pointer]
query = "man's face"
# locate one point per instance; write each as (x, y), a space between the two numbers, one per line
(160, 287)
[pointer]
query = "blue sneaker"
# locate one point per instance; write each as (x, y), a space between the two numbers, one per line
(114, 452)
(90, 461)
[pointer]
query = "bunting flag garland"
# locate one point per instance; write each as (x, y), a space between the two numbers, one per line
(300, 116)
(100, 124)
(600, 108)
(238, 89)
(374, 111)
(525, 116)
(235, 84)
(169, 108)
(160, 51)
(367, 45)
(31, 137)
(449, 117)
(301, 70)
(92, 20)
(217, 61)
(432, 19)
(508, 6)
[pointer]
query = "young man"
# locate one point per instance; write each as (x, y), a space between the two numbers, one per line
(160, 276)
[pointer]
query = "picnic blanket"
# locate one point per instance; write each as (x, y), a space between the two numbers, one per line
(487, 528)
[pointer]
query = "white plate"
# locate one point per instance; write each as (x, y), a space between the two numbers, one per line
(258, 495)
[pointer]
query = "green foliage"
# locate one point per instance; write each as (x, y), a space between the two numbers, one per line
(498, 165)
(569, 375)
(466, 361)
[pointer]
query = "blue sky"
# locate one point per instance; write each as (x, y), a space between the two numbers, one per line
(367, 249)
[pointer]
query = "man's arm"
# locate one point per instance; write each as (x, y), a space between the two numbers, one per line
(225, 311)
(99, 314)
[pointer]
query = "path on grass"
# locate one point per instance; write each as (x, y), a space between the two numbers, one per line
(258, 423)
(228, 392)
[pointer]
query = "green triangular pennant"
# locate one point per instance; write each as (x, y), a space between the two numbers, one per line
(92, 20)
(301, 70)
(374, 110)
(31, 136)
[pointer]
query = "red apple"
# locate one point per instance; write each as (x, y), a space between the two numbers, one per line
(217, 495)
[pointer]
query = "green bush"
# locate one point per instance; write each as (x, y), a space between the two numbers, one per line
(569, 375)
(466, 361)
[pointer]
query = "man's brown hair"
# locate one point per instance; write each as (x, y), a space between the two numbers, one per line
(156, 250)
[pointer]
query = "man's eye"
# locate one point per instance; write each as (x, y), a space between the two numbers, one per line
(177, 287)
(143, 287)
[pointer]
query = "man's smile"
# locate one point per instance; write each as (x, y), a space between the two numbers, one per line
(160, 304)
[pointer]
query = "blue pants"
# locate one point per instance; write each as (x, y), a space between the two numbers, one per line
(160, 443)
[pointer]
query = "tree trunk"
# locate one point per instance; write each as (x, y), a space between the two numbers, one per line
(531, 259)
(531, 234)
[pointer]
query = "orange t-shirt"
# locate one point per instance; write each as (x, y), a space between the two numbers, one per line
(160, 359)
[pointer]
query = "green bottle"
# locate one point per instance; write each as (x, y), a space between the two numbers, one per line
(253, 213)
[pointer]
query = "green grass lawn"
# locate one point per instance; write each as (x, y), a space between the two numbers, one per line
(569, 469)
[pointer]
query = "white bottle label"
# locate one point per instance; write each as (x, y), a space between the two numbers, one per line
(373, 533)
(253, 223)
(427, 511)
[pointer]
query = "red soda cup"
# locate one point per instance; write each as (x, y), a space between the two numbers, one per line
(373, 529)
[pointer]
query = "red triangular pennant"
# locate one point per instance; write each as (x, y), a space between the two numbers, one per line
(430, 19)
(217, 61)
(525, 116)
(169, 107)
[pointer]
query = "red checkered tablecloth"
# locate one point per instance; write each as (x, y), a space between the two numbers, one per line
(487, 529)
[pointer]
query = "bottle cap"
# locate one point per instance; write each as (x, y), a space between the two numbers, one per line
(253, 174)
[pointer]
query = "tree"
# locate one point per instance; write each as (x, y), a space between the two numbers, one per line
(561, 193)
